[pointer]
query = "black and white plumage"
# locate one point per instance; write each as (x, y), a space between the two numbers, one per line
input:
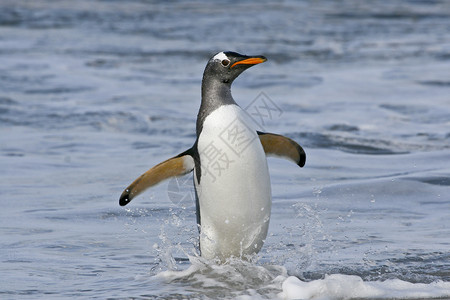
(229, 162)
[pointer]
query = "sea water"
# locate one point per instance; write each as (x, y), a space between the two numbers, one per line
(94, 93)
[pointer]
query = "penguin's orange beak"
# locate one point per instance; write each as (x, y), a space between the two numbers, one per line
(250, 61)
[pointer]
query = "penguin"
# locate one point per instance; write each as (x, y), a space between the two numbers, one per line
(228, 158)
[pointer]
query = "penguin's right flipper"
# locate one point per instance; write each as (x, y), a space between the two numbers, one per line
(281, 146)
(175, 166)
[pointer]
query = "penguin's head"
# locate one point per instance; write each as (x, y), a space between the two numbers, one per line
(227, 66)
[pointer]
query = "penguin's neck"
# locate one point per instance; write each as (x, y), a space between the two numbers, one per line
(215, 93)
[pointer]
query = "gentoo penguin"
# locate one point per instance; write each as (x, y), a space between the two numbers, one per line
(228, 158)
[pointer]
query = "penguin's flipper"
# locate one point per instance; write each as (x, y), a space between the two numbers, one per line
(281, 146)
(175, 166)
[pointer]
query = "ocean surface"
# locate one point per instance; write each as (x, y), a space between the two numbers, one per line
(94, 93)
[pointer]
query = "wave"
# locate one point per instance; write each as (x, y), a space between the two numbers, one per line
(338, 286)
(239, 279)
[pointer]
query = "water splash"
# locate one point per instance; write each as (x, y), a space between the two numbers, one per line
(231, 279)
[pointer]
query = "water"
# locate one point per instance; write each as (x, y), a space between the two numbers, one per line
(92, 94)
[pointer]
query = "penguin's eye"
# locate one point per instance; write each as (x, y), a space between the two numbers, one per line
(225, 62)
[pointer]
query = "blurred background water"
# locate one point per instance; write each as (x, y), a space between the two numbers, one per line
(93, 93)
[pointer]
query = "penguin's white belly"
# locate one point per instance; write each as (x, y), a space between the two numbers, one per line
(234, 190)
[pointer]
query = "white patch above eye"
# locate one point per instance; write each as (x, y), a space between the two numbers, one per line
(220, 56)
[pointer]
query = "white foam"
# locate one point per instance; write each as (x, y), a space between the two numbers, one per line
(339, 286)
(247, 281)
(220, 56)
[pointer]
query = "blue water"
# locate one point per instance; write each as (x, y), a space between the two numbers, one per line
(93, 93)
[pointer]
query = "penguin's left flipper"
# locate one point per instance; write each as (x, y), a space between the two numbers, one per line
(281, 146)
(175, 166)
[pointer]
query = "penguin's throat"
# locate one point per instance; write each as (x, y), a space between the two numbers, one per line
(216, 93)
